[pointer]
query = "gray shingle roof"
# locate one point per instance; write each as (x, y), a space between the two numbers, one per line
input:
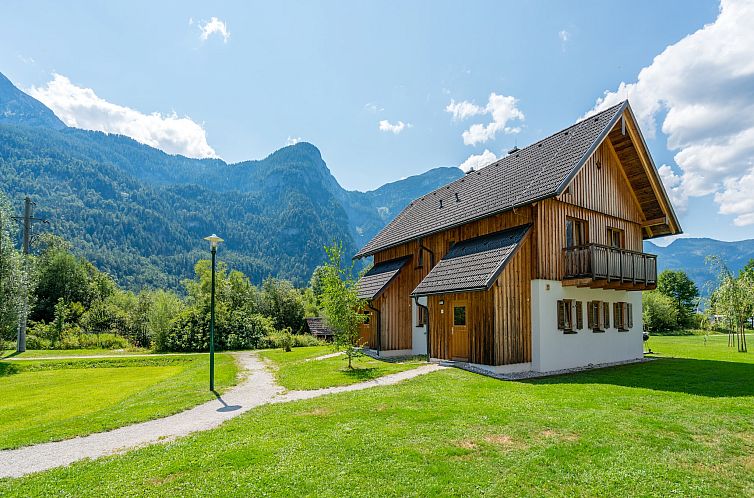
(375, 280)
(318, 327)
(473, 264)
(535, 172)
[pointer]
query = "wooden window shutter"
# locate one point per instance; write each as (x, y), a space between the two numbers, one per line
(579, 316)
(606, 315)
(629, 316)
(616, 315)
(561, 315)
(589, 315)
(598, 317)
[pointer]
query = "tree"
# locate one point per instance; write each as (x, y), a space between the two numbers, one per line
(659, 312)
(341, 304)
(683, 291)
(165, 307)
(284, 303)
(734, 300)
(11, 275)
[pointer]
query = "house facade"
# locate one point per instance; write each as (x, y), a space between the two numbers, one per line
(534, 262)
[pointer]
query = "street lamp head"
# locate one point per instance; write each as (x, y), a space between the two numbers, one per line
(213, 240)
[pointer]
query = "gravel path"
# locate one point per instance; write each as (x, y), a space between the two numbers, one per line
(258, 388)
(326, 356)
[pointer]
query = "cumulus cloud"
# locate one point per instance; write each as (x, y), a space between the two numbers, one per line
(212, 27)
(478, 161)
(82, 108)
(292, 140)
(501, 108)
(564, 35)
(396, 128)
(704, 87)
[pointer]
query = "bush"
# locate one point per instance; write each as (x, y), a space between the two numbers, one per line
(247, 331)
(277, 340)
(659, 312)
(34, 342)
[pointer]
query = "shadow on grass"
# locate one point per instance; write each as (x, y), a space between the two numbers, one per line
(361, 373)
(8, 369)
(710, 378)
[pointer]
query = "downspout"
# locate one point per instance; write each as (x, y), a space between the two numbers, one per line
(422, 247)
(378, 324)
(426, 310)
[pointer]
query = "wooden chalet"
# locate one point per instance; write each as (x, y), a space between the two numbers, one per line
(319, 329)
(534, 262)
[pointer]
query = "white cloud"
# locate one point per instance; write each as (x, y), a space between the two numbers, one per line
(478, 161)
(372, 107)
(705, 85)
(501, 108)
(82, 108)
(463, 110)
(292, 140)
(396, 128)
(564, 35)
(211, 27)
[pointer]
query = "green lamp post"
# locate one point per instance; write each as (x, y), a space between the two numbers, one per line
(214, 241)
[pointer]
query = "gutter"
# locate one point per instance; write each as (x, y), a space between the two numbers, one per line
(426, 310)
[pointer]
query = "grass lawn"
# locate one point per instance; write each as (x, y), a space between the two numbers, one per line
(50, 400)
(48, 353)
(677, 426)
(294, 372)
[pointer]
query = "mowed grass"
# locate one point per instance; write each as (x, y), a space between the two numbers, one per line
(51, 353)
(50, 400)
(298, 370)
(671, 427)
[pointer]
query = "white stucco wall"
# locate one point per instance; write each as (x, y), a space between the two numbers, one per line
(554, 350)
(418, 334)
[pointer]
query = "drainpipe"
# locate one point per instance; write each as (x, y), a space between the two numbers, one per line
(426, 310)
(377, 316)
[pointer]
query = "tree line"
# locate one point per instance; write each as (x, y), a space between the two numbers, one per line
(74, 305)
(727, 305)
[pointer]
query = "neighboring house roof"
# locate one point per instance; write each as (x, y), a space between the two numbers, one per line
(536, 172)
(318, 327)
(473, 264)
(377, 279)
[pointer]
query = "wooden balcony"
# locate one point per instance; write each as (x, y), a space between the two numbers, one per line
(603, 267)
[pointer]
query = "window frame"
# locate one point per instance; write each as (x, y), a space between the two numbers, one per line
(583, 231)
(610, 232)
(566, 312)
(421, 316)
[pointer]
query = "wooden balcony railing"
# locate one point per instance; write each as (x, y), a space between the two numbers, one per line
(610, 264)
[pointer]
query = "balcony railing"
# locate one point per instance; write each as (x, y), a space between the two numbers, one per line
(611, 264)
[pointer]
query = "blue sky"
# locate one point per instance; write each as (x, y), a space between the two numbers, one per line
(262, 74)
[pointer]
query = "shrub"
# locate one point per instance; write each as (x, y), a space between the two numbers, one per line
(659, 312)
(276, 341)
(34, 342)
(247, 331)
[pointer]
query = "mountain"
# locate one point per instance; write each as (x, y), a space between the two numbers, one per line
(689, 255)
(18, 108)
(140, 214)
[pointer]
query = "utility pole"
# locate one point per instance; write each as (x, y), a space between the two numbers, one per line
(27, 220)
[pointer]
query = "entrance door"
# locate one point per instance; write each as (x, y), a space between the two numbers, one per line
(459, 332)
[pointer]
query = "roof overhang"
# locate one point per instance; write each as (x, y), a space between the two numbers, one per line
(378, 278)
(473, 265)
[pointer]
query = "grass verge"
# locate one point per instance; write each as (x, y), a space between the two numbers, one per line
(299, 370)
(49, 400)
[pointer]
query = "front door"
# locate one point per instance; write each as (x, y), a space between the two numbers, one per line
(459, 332)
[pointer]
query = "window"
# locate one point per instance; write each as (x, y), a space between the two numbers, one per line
(575, 232)
(606, 315)
(615, 238)
(623, 316)
(596, 316)
(367, 317)
(421, 316)
(566, 318)
(459, 316)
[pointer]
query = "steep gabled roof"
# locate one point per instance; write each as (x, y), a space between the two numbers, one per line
(377, 279)
(474, 264)
(318, 327)
(536, 172)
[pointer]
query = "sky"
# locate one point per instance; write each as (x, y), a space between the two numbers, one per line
(387, 90)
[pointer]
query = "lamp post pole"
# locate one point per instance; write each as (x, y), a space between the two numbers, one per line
(212, 327)
(214, 241)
